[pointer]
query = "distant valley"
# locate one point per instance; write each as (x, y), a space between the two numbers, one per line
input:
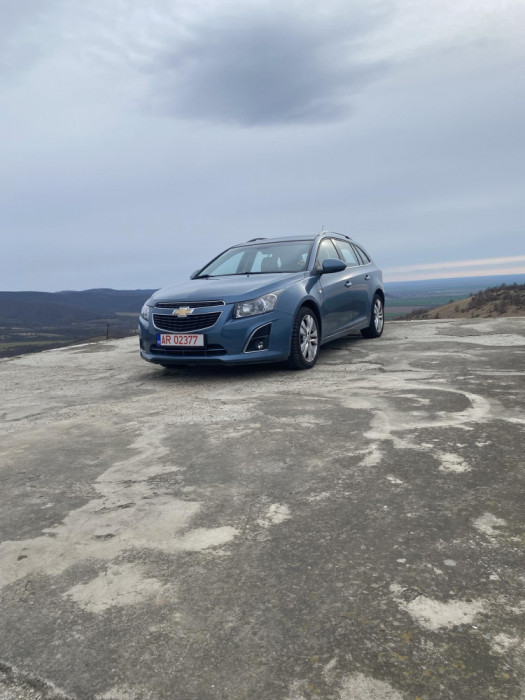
(35, 321)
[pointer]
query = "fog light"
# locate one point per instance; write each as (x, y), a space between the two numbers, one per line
(259, 340)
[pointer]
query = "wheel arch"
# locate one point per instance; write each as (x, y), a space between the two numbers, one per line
(311, 304)
(380, 293)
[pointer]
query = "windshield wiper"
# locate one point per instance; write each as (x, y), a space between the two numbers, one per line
(204, 277)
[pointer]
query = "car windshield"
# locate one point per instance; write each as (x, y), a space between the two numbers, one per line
(261, 258)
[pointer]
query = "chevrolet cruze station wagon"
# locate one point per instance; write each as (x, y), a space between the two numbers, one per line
(266, 300)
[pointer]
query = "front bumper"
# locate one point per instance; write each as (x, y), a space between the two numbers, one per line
(225, 343)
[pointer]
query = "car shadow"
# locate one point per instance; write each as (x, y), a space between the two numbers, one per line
(344, 343)
(218, 371)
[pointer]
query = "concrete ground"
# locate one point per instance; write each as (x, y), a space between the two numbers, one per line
(353, 532)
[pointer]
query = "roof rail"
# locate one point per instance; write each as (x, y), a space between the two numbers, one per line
(337, 234)
(256, 239)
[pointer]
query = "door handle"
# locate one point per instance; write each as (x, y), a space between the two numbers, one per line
(367, 277)
(348, 283)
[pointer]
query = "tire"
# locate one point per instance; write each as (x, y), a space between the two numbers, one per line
(377, 319)
(305, 340)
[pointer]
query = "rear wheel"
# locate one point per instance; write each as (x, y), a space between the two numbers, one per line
(377, 319)
(305, 340)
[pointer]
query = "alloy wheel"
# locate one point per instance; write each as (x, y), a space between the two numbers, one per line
(309, 338)
(378, 316)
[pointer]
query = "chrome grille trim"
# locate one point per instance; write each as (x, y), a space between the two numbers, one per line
(197, 322)
(189, 304)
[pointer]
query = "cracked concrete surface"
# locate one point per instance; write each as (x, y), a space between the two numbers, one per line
(351, 532)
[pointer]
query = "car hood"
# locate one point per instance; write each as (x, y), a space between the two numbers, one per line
(228, 289)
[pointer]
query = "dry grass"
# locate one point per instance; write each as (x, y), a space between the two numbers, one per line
(495, 302)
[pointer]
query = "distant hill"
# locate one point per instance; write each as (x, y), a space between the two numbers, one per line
(418, 296)
(489, 303)
(33, 321)
(451, 286)
(96, 300)
(18, 312)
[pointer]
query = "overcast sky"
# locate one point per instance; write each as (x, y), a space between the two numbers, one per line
(138, 138)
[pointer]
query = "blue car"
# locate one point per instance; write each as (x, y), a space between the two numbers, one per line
(266, 300)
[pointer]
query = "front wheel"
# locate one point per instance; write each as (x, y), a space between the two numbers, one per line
(305, 340)
(377, 319)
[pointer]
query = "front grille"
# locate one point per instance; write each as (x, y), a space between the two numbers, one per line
(208, 351)
(165, 322)
(189, 304)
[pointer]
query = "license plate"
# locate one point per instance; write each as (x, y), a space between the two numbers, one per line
(176, 340)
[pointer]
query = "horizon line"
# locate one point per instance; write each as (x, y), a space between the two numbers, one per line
(388, 277)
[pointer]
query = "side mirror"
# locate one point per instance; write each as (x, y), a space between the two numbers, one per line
(332, 265)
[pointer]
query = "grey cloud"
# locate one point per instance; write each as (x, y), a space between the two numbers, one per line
(268, 69)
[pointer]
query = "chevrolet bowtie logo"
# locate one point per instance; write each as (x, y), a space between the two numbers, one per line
(182, 312)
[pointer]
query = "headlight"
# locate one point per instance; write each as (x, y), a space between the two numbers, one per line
(144, 312)
(256, 306)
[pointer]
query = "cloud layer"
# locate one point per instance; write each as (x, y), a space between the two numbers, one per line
(138, 139)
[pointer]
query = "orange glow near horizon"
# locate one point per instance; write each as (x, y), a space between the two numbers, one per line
(467, 268)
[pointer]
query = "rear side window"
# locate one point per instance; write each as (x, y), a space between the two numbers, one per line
(347, 253)
(362, 255)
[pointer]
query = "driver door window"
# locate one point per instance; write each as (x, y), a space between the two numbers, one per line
(325, 251)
